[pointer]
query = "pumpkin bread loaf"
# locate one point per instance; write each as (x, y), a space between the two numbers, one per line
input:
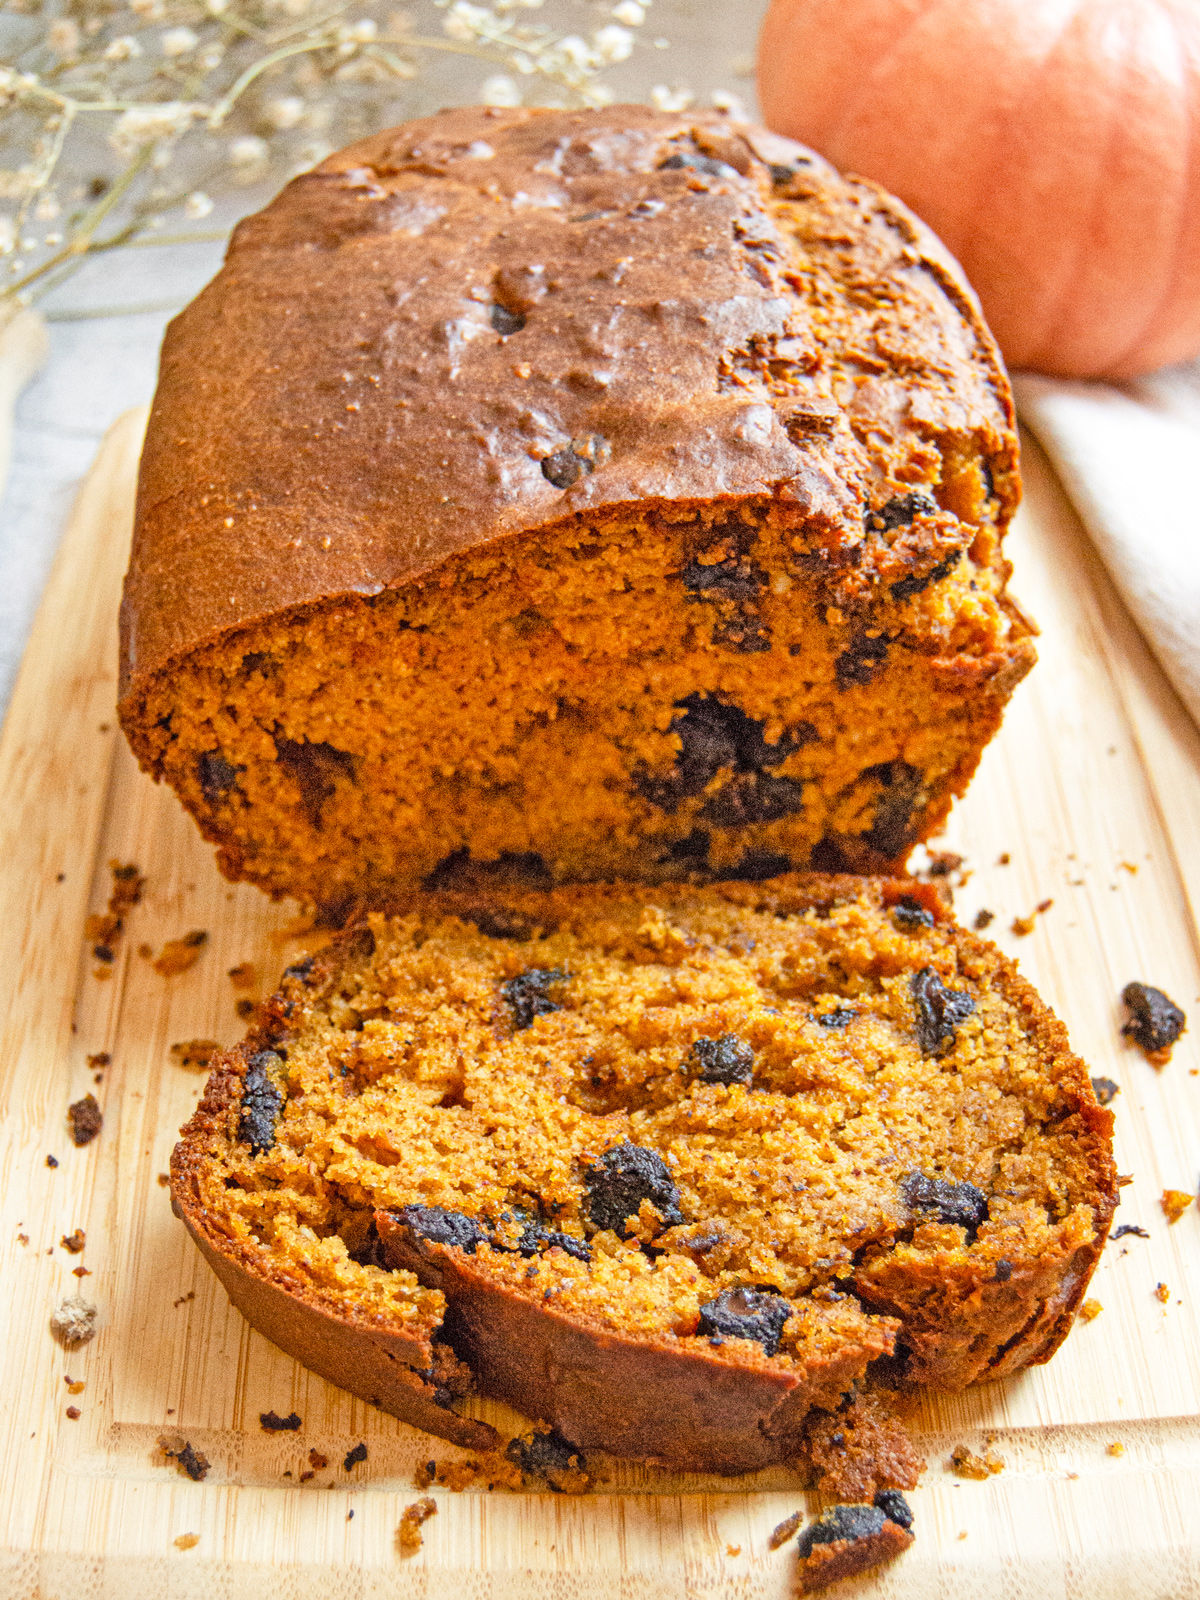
(599, 494)
(671, 1169)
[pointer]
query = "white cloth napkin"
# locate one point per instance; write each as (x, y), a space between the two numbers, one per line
(1129, 457)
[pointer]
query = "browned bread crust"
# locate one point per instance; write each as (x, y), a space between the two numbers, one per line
(760, 390)
(956, 1310)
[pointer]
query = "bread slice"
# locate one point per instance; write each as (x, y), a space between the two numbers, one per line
(594, 494)
(667, 1168)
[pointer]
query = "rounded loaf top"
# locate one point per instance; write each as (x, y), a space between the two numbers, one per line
(488, 321)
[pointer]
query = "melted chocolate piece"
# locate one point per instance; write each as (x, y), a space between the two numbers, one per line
(261, 1103)
(540, 1454)
(858, 663)
(909, 913)
(441, 1226)
(900, 512)
(1155, 1021)
(907, 587)
(732, 579)
(838, 1017)
(527, 996)
(961, 1204)
(753, 797)
(714, 736)
(895, 1507)
(890, 831)
(939, 1012)
(535, 1238)
(725, 1060)
(505, 322)
(841, 1522)
(217, 776)
(758, 1314)
(758, 865)
(622, 1178)
(315, 768)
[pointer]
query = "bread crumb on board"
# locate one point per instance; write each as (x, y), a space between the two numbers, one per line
(1162, 1293)
(178, 955)
(187, 1541)
(785, 1530)
(86, 1119)
(408, 1534)
(1155, 1021)
(966, 1464)
(194, 1054)
(1090, 1310)
(1174, 1203)
(74, 1321)
(1116, 1448)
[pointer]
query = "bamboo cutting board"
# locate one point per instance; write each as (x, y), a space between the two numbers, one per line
(1092, 796)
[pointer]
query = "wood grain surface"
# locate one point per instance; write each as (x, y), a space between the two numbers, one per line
(1092, 793)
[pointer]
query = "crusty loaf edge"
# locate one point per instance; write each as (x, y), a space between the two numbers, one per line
(729, 1414)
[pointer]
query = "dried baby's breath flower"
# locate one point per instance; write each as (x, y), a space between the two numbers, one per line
(108, 111)
(667, 98)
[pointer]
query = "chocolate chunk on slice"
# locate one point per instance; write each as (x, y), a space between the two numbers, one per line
(959, 1203)
(890, 833)
(714, 737)
(731, 579)
(847, 1540)
(544, 1453)
(907, 587)
(1155, 1021)
(753, 797)
(909, 913)
(858, 662)
(527, 995)
(839, 1017)
(939, 1012)
(758, 1314)
(697, 163)
(217, 776)
(622, 1178)
(261, 1102)
(895, 1507)
(727, 1059)
(535, 1238)
(900, 511)
(505, 321)
(441, 1226)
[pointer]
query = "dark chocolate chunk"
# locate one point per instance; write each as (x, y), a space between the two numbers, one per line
(272, 1422)
(890, 833)
(527, 996)
(727, 1059)
(697, 163)
(216, 775)
(86, 1119)
(838, 1017)
(1105, 1090)
(714, 736)
(353, 1457)
(858, 662)
(758, 1314)
(540, 1454)
(261, 1103)
(300, 970)
(753, 797)
(1128, 1228)
(562, 469)
(895, 1507)
(983, 919)
(535, 1238)
(939, 1012)
(841, 1522)
(1155, 1020)
(505, 321)
(781, 174)
(732, 579)
(693, 847)
(459, 870)
(756, 866)
(961, 1204)
(900, 512)
(315, 768)
(1003, 1272)
(909, 913)
(441, 1226)
(907, 587)
(193, 1463)
(622, 1178)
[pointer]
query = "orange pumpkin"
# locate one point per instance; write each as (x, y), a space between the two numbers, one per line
(1053, 144)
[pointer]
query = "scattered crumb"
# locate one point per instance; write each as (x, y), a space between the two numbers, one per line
(164, 1180)
(51, 1161)
(180, 954)
(74, 1242)
(1162, 1293)
(1124, 1179)
(1004, 860)
(188, 1461)
(74, 1413)
(1090, 1310)
(145, 951)
(187, 1541)
(194, 1054)
(102, 929)
(86, 1119)
(1023, 926)
(75, 1385)
(74, 1322)
(243, 976)
(306, 1476)
(1127, 1228)
(102, 972)
(733, 1549)
(350, 1516)
(785, 1530)
(81, 1272)
(408, 1534)
(1155, 1021)
(493, 1469)
(183, 1299)
(968, 1465)
(943, 862)
(984, 919)
(245, 1008)
(1130, 866)
(1042, 907)
(99, 1060)
(1116, 1448)
(963, 1534)
(1174, 1203)
(317, 1461)
(22, 1238)
(353, 1457)
(272, 1422)
(1073, 1476)
(1105, 1090)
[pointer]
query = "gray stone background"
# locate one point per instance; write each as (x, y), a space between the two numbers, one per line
(100, 365)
